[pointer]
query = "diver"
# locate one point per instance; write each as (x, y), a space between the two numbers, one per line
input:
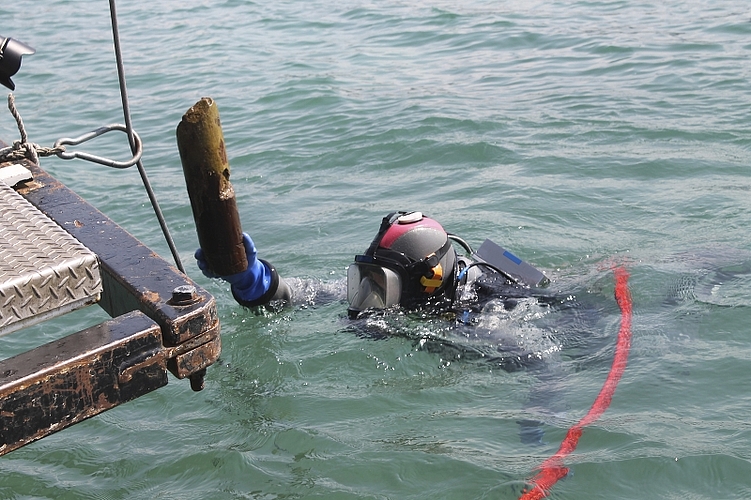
(411, 263)
(412, 268)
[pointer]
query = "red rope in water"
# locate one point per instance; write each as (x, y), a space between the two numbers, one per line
(552, 469)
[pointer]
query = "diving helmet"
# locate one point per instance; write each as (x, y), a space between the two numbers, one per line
(410, 261)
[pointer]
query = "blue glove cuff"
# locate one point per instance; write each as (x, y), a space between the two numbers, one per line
(257, 285)
(253, 283)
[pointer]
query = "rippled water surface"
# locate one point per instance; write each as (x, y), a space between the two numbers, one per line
(579, 134)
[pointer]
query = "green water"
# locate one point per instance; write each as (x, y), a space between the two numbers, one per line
(578, 134)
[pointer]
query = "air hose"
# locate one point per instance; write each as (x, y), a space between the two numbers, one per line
(552, 469)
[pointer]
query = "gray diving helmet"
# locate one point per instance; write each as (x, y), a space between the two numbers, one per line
(10, 59)
(410, 261)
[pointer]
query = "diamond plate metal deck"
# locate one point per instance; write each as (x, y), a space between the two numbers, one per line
(44, 271)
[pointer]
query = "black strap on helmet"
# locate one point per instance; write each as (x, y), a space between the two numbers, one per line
(386, 223)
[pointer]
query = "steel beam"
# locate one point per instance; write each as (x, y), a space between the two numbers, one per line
(61, 383)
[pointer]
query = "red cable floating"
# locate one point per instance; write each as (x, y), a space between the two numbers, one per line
(552, 469)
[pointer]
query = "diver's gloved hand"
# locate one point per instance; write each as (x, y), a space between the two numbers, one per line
(248, 285)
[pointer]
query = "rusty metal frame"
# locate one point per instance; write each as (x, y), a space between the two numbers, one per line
(161, 321)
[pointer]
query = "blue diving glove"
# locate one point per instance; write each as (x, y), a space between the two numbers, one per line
(249, 285)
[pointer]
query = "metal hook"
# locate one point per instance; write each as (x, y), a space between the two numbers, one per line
(98, 159)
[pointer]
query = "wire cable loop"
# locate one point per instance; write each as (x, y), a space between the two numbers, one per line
(70, 155)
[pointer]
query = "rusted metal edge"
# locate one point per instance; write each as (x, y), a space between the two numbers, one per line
(66, 381)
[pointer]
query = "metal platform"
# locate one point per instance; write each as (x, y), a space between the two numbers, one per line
(57, 253)
(44, 271)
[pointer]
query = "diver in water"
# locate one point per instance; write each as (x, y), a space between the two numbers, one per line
(411, 266)
(488, 305)
(411, 263)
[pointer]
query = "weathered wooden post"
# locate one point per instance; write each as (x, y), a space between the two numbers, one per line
(204, 158)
